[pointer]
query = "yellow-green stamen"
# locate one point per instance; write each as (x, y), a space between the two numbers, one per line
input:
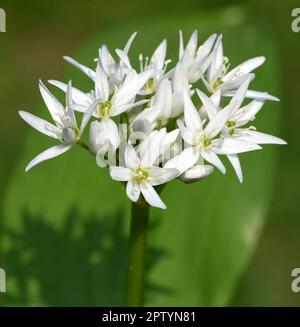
(141, 175)
(104, 109)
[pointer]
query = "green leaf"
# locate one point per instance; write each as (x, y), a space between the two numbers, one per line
(66, 222)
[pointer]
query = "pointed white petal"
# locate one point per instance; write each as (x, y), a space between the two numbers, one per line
(185, 133)
(120, 174)
(162, 175)
(120, 109)
(106, 59)
(133, 191)
(151, 196)
(55, 108)
(205, 49)
(216, 98)
(41, 125)
(208, 104)
(179, 80)
(163, 98)
(262, 138)
(124, 58)
(213, 159)
(244, 68)
(248, 112)
(240, 94)
(131, 158)
(89, 72)
(233, 145)
(191, 116)
(260, 96)
(101, 84)
(111, 130)
(185, 160)
(78, 96)
(87, 115)
(229, 88)
(235, 161)
(48, 154)
(159, 56)
(214, 127)
(129, 42)
(69, 104)
(192, 43)
(181, 45)
(216, 67)
(130, 88)
(151, 153)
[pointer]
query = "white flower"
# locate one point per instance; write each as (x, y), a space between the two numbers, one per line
(195, 61)
(110, 106)
(161, 144)
(141, 176)
(115, 71)
(134, 131)
(157, 64)
(218, 76)
(65, 129)
(239, 117)
(205, 141)
(166, 103)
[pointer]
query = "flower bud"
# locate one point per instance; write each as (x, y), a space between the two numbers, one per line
(196, 173)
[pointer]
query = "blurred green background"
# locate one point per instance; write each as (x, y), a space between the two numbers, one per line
(63, 233)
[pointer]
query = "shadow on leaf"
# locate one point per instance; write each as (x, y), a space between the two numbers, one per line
(82, 263)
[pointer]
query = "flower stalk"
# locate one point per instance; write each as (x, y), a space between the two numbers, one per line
(137, 253)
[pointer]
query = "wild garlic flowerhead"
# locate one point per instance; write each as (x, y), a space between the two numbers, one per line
(162, 120)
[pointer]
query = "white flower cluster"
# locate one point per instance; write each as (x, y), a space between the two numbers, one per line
(154, 125)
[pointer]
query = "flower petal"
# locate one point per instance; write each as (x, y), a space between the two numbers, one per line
(234, 145)
(151, 196)
(162, 175)
(69, 102)
(55, 108)
(260, 96)
(185, 133)
(163, 99)
(101, 84)
(124, 58)
(89, 72)
(209, 106)
(131, 158)
(87, 115)
(120, 174)
(133, 191)
(262, 138)
(129, 42)
(111, 130)
(235, 161)
(159, 55)
(214, 127)
(185, 160)
(248, 112)
(48, 154)
(213, 159)
(244, 68)
(78, 96)
(191, 116)
(41, 125)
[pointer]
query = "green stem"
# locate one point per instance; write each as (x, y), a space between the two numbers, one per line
(83, 145)
(137, 254)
